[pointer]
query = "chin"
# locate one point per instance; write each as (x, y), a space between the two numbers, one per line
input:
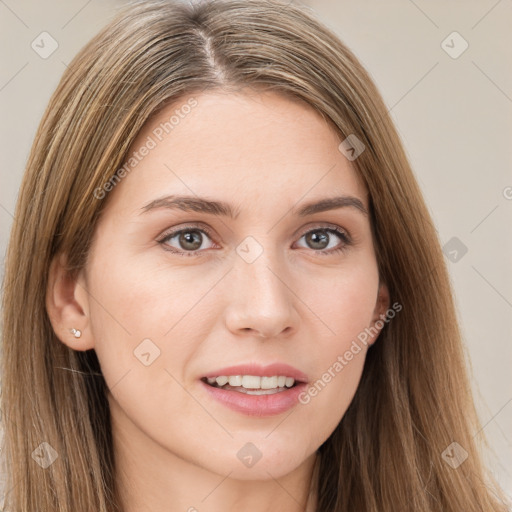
(261, 459)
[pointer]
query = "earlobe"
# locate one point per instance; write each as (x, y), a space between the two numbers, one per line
(67, 306)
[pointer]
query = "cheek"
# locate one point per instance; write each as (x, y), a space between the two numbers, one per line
(132, 307)
(338, 363)
(132, 310)
(147, 321)
(344, 302)
(329, 394)
(346, 311)
(136, 298)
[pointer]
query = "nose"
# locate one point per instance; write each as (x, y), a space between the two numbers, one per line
(261, 301)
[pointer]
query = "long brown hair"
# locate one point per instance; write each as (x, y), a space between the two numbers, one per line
(414, 397)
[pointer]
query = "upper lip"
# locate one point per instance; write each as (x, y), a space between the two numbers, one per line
(261, 371)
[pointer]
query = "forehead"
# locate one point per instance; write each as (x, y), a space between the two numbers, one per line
(246, 146)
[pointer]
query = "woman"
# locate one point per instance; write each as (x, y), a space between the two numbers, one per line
(238, 297)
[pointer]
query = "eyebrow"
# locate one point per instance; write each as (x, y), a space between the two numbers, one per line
(221, 208)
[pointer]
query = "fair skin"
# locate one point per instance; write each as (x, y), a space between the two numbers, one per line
(176, 447)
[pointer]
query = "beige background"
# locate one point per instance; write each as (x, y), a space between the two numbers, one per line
(454, 116)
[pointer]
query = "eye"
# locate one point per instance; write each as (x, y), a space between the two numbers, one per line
(187, 241)
(190, 240)
(321, 240)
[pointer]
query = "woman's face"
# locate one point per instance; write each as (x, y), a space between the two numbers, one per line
(211, 254)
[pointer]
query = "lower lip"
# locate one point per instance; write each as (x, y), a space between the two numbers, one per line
(257, 405)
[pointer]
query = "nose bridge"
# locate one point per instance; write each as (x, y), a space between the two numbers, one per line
(260, 297)
(260, 279)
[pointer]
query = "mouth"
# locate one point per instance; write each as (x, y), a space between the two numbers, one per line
(256, 390)
(252, 384)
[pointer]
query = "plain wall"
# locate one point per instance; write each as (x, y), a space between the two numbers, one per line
(453, 113)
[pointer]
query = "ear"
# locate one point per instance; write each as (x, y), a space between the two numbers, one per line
(67, 304)
(379, 313)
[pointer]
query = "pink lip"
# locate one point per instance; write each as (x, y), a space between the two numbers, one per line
(258, 405)
(261, 371)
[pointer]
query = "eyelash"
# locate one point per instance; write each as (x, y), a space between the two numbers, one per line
(346, 240)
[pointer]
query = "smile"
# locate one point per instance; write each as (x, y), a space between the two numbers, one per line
(256, 390)
(252, 384)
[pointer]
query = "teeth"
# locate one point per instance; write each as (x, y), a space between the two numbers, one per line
(268, 382)
(252, 381)
(258, 391)
(235, 380)
(289, 382)
(221, 380)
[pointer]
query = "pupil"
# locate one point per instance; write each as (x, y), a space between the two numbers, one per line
(314, 239)
(194, 240)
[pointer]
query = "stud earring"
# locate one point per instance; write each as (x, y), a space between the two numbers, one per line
(76, 333)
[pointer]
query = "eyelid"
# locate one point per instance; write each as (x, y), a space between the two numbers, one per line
(342, 233)
(169, 233)
(323, 225)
